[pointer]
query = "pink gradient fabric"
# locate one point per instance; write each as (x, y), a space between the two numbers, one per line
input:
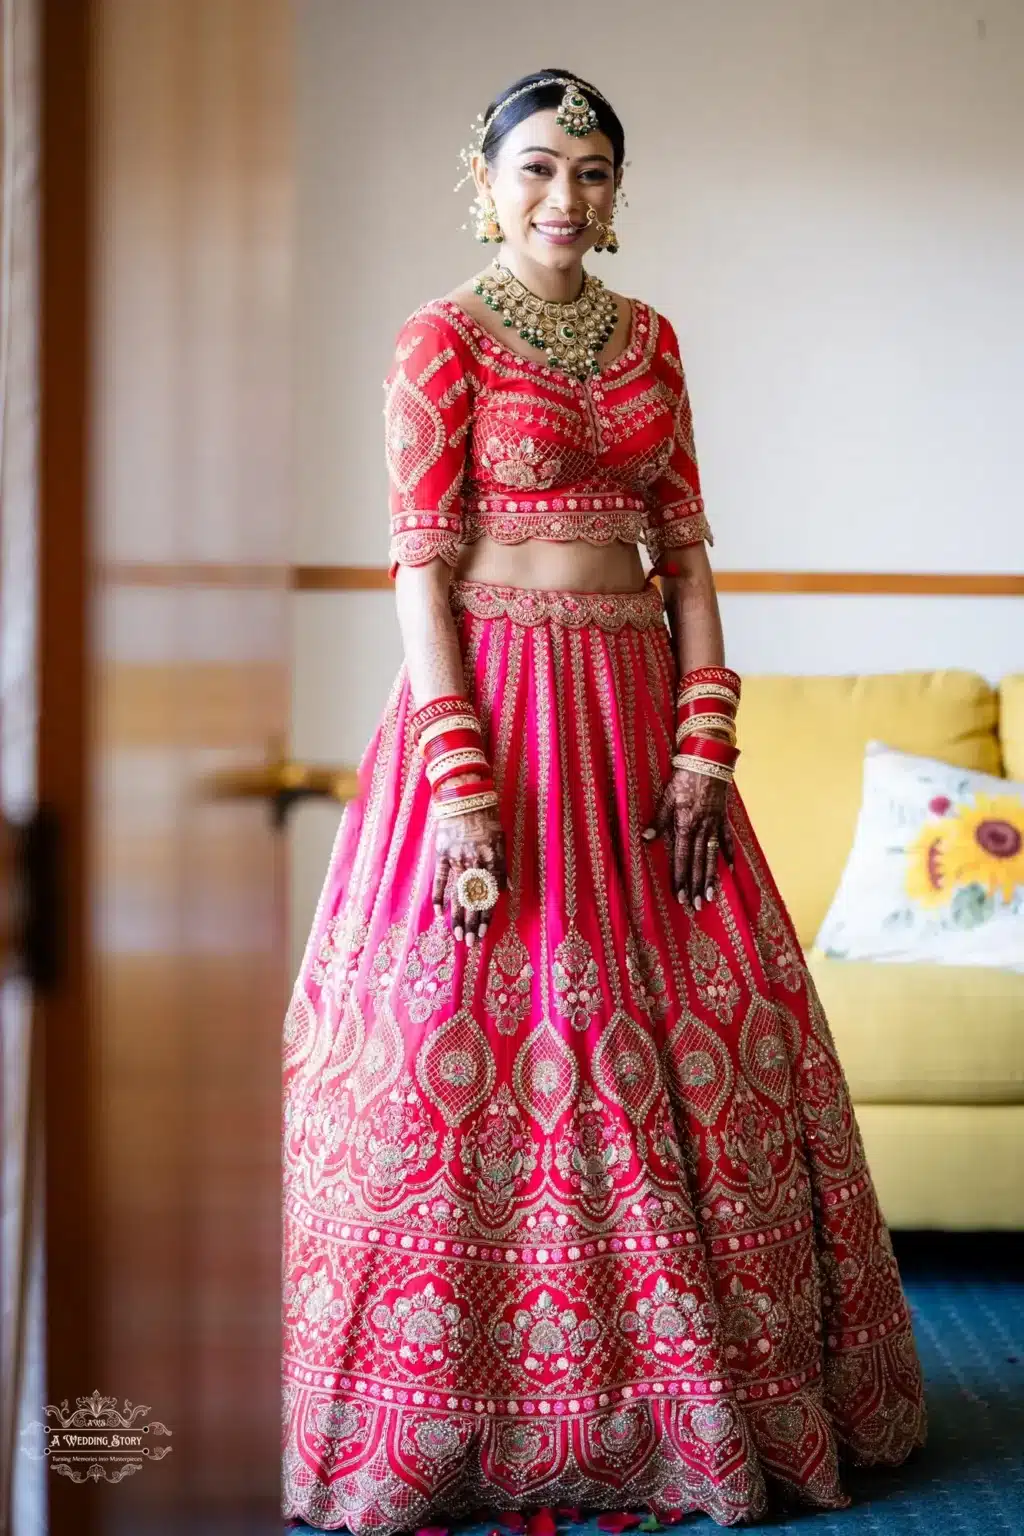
(580, 1215)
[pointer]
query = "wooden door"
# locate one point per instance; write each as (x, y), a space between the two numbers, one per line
(167, 227)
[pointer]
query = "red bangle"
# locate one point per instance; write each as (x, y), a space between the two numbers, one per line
(463, 791)
(458, 770)
(711, 706)
(710, 748)
(439, 709)
(449, 741)
(724, 675)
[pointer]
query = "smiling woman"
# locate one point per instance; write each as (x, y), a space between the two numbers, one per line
(576, 1206)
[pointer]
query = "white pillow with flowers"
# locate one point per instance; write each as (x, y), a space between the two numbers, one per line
(936, 871)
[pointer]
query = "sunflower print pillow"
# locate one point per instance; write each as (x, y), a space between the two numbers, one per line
(936, 871)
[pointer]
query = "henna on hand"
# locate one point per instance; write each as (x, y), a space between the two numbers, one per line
(472, 841)
(692, 812)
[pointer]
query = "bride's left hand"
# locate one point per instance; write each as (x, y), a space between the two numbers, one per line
(692, 812)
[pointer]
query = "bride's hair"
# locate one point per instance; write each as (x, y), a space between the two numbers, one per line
(533, 95)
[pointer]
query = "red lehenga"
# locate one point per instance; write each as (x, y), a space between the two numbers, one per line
(579, 1215)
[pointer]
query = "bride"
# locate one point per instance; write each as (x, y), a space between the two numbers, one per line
(576, 1209)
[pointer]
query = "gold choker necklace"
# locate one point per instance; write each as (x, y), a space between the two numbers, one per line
(570, 335)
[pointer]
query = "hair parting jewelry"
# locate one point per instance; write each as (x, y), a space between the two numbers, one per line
(574, 109)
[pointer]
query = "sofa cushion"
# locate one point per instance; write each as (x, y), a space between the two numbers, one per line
(925, 1034)
(1011, 724)
(936, 871)
(803, 740)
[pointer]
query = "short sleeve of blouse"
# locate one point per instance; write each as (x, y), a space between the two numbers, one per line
(675, 515)
(427, 415)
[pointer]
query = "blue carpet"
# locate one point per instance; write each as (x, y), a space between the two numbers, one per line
(967, 1296)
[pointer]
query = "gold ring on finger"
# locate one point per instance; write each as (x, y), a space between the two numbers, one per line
(476, 889)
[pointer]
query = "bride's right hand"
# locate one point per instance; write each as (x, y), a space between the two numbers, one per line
(473, 841)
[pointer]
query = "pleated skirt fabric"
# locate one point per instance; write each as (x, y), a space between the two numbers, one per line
(579, 1215)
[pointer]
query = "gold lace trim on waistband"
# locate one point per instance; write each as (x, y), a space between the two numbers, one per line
(576, 610)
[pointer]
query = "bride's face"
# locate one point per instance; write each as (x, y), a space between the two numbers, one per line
(543, 181)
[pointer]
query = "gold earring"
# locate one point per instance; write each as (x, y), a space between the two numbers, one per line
(607, 239)
(487, 227)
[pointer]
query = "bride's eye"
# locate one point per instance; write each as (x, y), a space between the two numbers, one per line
(538, 165)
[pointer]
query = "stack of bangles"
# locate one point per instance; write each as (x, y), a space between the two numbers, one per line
(450, 741)
(706, 704)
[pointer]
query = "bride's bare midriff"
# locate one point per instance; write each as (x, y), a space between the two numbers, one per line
(573, 567)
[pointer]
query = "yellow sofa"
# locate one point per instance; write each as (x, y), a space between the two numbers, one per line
(934, 1055)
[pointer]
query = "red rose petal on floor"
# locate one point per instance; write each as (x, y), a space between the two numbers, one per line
(940, 805)
(541, 1524)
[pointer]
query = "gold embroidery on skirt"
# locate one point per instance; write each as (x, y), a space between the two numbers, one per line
(576, 610)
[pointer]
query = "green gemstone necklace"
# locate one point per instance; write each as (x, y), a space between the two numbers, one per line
(570, 335)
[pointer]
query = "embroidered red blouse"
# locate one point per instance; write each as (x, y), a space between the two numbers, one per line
(482, 441)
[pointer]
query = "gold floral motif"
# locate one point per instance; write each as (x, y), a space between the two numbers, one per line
(380, 1060)
(781, 956)
(427, 974)
(546, 1076)
(437, 1440)
(594, 1154)
(646, 977)
(576, 979)
(713, 980)
(340, 1421)
(544, 1336)
(455, 1067)
(423, 1326)
(625, 1066)
(316, 1304)
(701, 1068)
(498, 1154)
(669, 1320)
(753, 1321)
(396, 1140)
(763, 1051)
(755, 1141)
(509, 978)
(384, 965)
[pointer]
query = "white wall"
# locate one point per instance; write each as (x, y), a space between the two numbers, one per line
(828, 201)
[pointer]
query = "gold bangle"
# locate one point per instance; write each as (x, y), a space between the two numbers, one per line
(707, 691)
(703, 765)
(707, 723)
(442, 727)
(447, 810)
(460, 757)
